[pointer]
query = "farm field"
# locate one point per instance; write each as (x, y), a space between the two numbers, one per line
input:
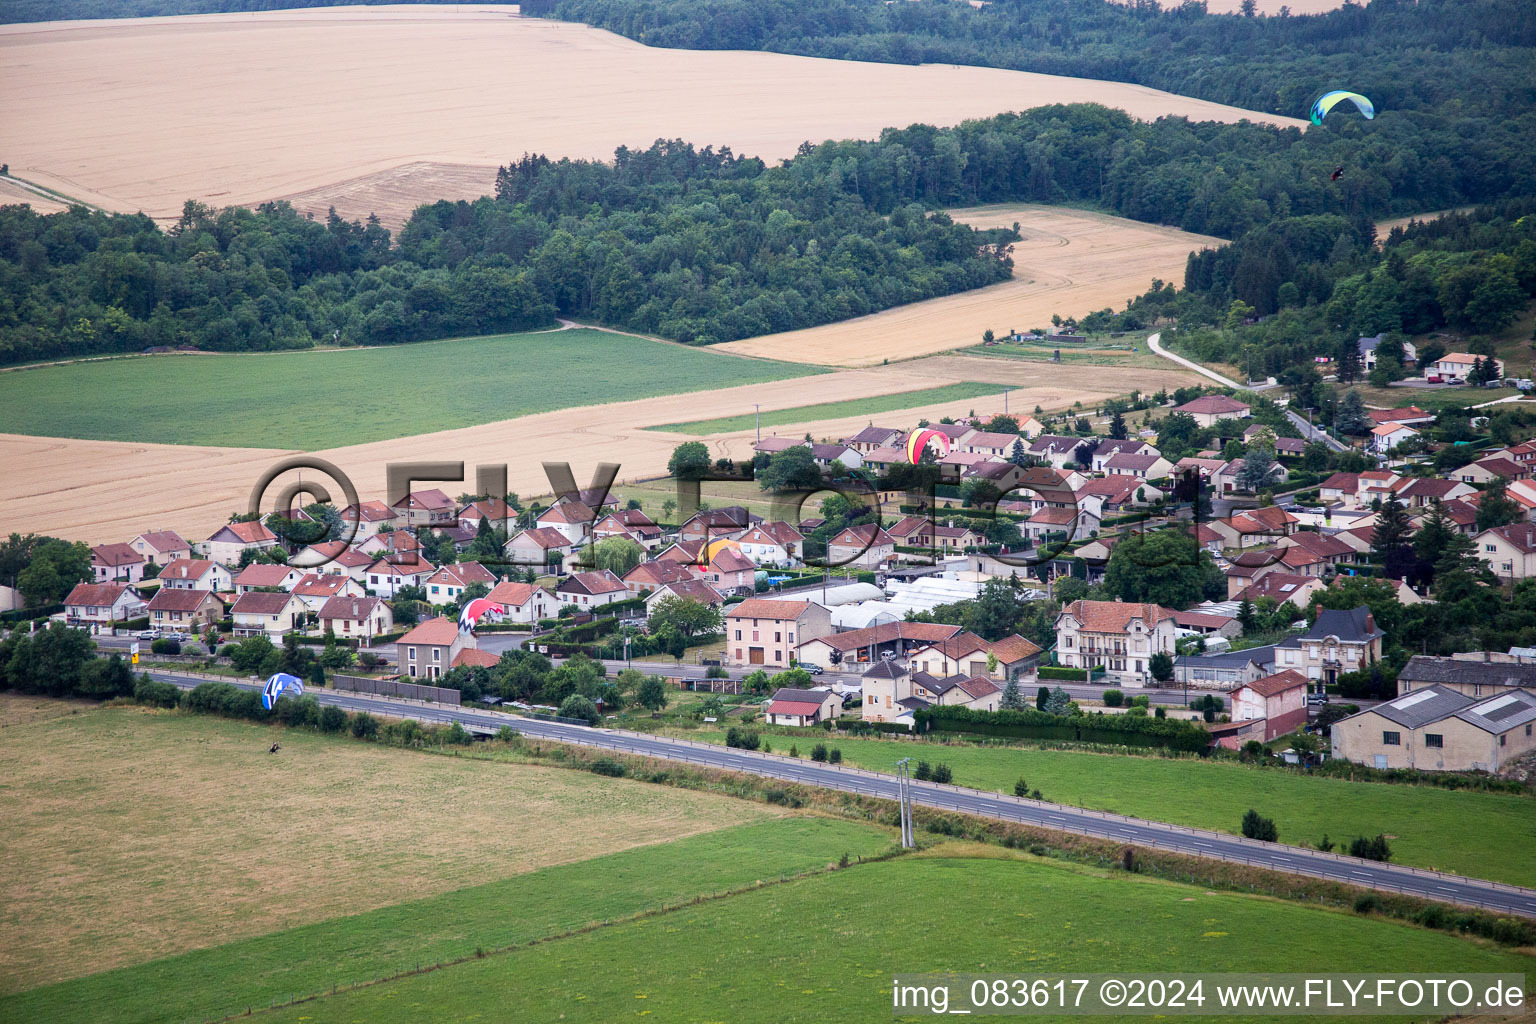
(210, 983)
(359, 92)
(109, 490)
(832, 410)
(311, 400)
(1070, 262)
(147, 834)
(1425, 822)
(824, 948)
(1116, 352)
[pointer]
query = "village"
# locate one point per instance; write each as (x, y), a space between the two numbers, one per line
(864, 613)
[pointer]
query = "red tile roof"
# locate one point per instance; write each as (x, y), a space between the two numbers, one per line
(762, 608)
(514, 594)
(169, 599)
(115, 555)
(1115, 616)
(475, 658)
(354, 609)
(164, 540)
(258, 602)
(438, 632)
(262, 574)
(186, 569)
(1278, 683)
(97, 594)
(1213, 405)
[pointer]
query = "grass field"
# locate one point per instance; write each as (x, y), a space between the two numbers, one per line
(833, 410)
(824, 948)
(209, 983)
(1118, 352)
(316, 400)
(1427, 824)
(146, 834)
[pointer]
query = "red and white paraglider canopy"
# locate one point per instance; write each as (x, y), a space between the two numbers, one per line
(479, 609)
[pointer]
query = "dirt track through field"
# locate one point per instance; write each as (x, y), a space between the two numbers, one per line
(242, 108)
(1070, 262)
(110, 491)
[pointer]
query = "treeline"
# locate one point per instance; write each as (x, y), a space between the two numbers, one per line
(1316, 284)
(1406, 55)
(696, 245)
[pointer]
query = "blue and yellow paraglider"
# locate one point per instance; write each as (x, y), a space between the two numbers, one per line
(280, 684)
(1328, 100)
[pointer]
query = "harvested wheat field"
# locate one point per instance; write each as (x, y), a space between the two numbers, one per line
(1070, 262)
(110, 490)
(286, 103)
(13, 193)
(148, 833)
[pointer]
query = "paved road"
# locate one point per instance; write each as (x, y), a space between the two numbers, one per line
(1154, 342)
(1195, 842)
(1311, 433)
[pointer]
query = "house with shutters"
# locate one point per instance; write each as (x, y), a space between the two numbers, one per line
(1056, 450)
(989, 443)
(335, 558)
(572, 519)
(540, 548)
(266, 574)
(1254, 527)
(631, 523)
(1337, 642)
(262, 613)
(1473, 675)
(196, 574)
(430, 507)
(361, 617)
(691, 590)
(1117, 636)
(773, 543)
(824, 455)
(447, 584)
(1110, 447)
(385, 578)
(188, 610)
(803, 708)
(862, 547)
(1282, 587)
(229, 543)
(967, 654)
(116, 563)
(314, 590)
(1279, 701)
(731, 572)
(95, 605)
(427, 652)
(495, 511)
(367, 519)
(658, 572)
(727, 523)
(162, 547)
(1143, 467)
(893, 692)
(588, 590)
(523, 602)
(759, 631)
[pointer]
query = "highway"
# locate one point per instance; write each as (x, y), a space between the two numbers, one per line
(1433, 885)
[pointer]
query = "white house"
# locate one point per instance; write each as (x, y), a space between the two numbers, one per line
(588, 590)
(102, 604)
(116, 563)
(1387, 436)
(539, 547)
(361, 617)
(196, 574)
(863, 547)
(385, 578)
(230, 542)
(314, 590)
(523, 602)
(446, 584)
(772, 543)
(161, 546)
(266, 574)
(367, 518)
(803, 708)
(263, 613)
(1118, 636)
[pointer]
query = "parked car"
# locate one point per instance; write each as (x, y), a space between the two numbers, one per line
(1317, 699)
(147, 634)
(814, 670)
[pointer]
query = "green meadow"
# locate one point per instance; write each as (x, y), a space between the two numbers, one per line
(326, 398)
(227, 979)
(825, 948)
(835, 410)
(1428, 826)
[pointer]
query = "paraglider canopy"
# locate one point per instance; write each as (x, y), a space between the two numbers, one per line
(479, 609)
(717, 546)
(918, 440)
(1328, 100)
(279, 684)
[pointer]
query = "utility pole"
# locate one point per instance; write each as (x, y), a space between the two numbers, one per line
(757, 411)
(904, 803)
(1005, 400)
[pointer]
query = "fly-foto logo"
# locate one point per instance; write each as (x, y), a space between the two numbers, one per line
(1034, 518)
